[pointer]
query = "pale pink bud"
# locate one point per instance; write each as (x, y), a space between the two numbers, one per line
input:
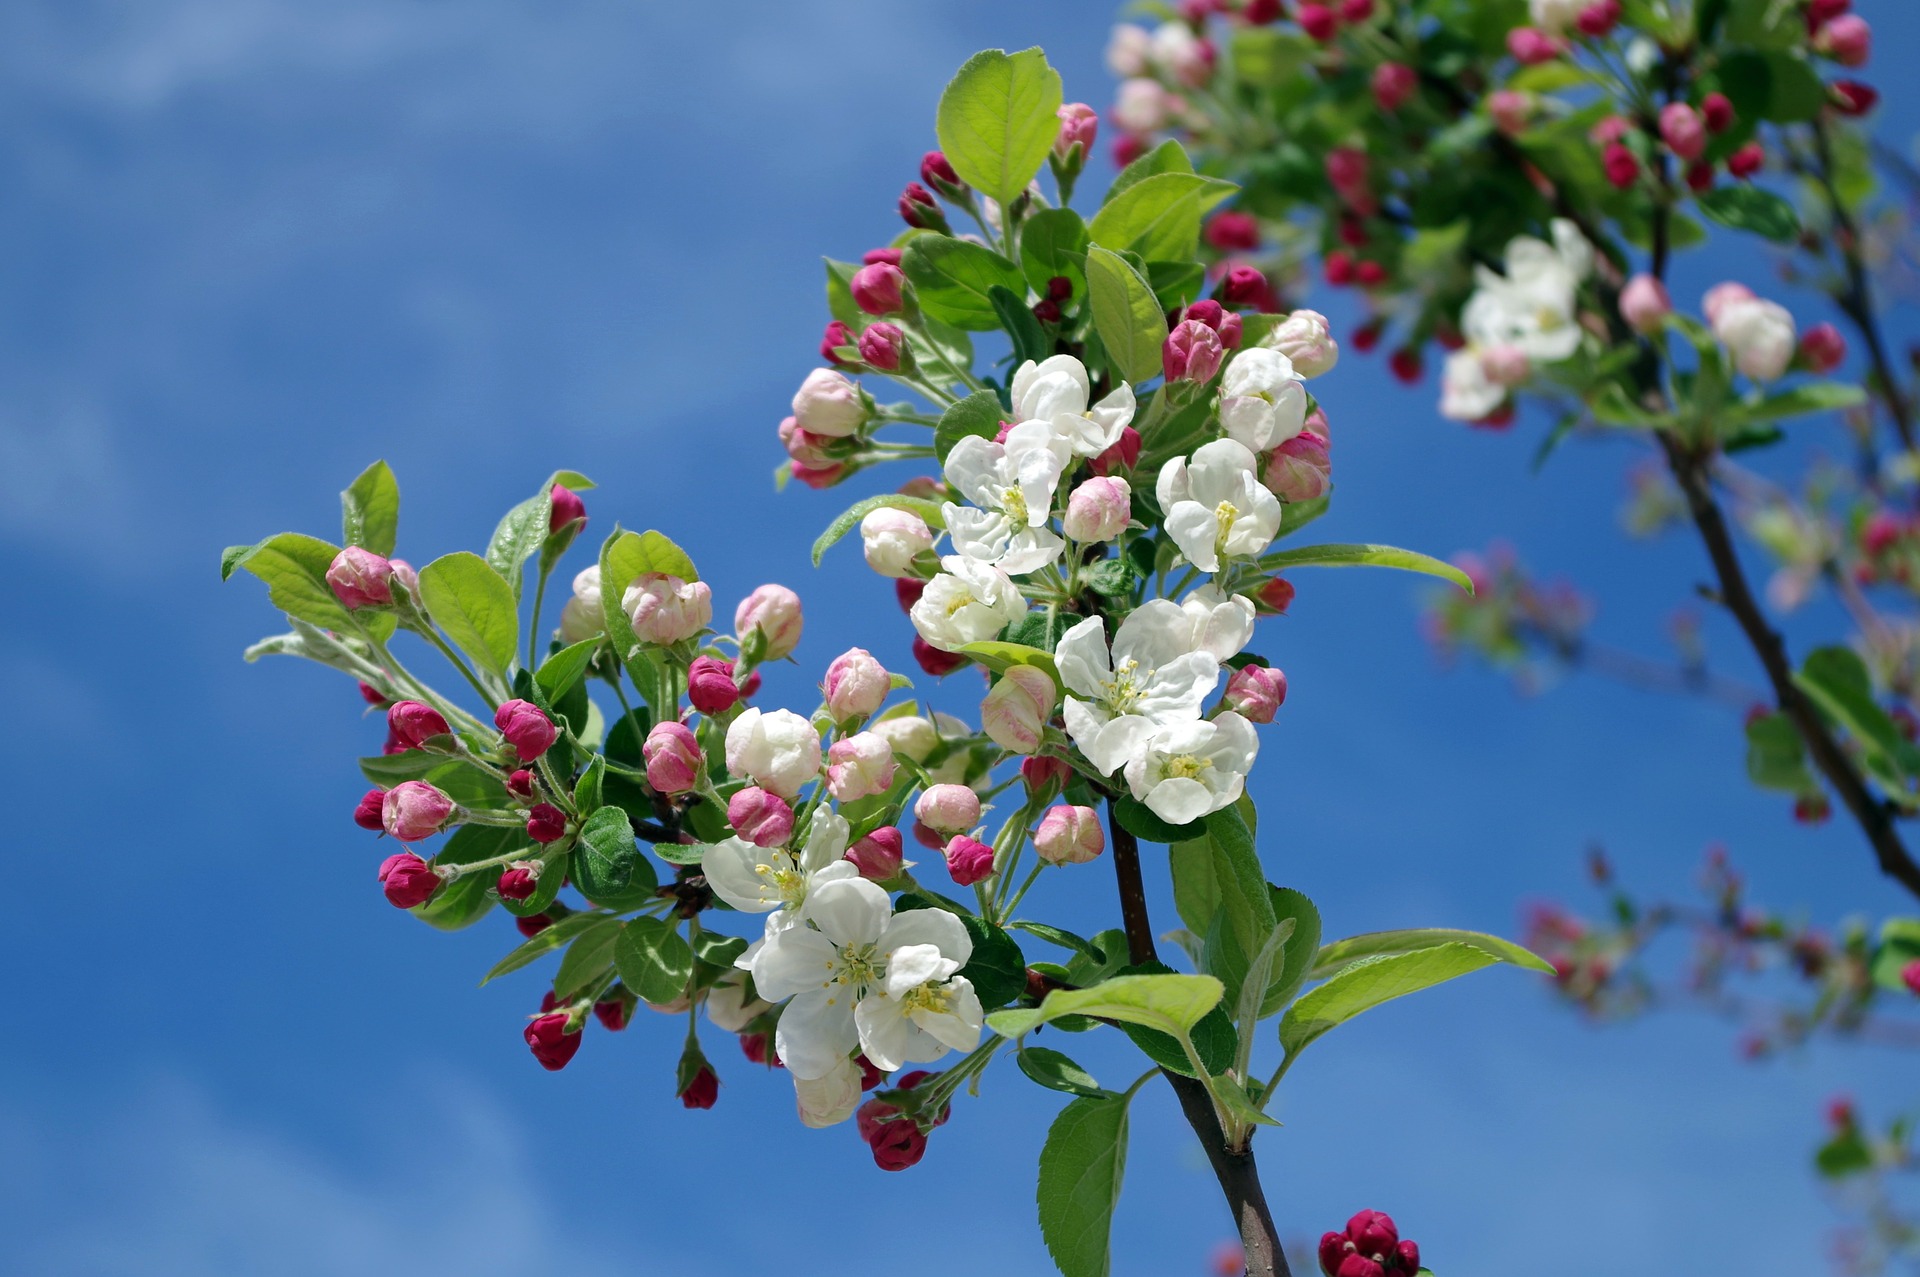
(859, 766)
(1347, 172)
(1720, 296)
(1069, 836)
(828, 404)
(1141, 105)
(1530, 46)
(413, 810)
(1506, 365)
(1682, 129)
(877, 288)
(1645, 304)
(1191, 352)
(763, 819)
(1015, 712)
(1609, 130)
(949, 809)
(1098, 510)
(1306, 339)
(1255, 692)
(1511, 110)
(878, 856)
(1822, 349)
(673, 758)
(968, 860)
(664, 609)
(359, 578)
(1847, 39)
(775, 611)
(1079, 125)
(856, 685)
(805, 447)
(408, 578)
(1393, 83)
(1299, 469)
(526, 728)
(892, 539)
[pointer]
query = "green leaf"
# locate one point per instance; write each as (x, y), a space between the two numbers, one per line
(850, 519)
(1176, 283)
(1898, 947)
(954, 279)
(623, 557)
(1771, 85)
(980, 413)
(1268, 58)
(1168, 157)
(1333, 958)
(1368, 983)
(294, 568)
(370, 510)
(1846, 1154)
(1837, 681)
(1029, 339)
(1819, 396)
(1243, 894)
(1053, 244)
(607, 865)
(543, 943)
(1139, 820)
(1081, 1168)
(1056, 1072)
(1776, 756)
(1000, 656)
(840, 303)
(996, 968)
(1159, 217)
(564, 668)
(997, 120)
(1172, 1004)
(474, 605)
(654, 959)
(1749, 208)
(465, 900)
(588, 958)
(1297, 958)
(1611, 406)
(1126, 314)
(1059, 936)
(682, 853)
(521, 531)
(1351, 556)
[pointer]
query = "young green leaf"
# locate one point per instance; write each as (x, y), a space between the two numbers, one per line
(1053, 245)
(1371, 981)
(465, 900)
(588, 958)
(1776, 756)
(998, 119)
(1819, 396)
(1173, 1004)
(1056, 1072)
(1081, 1168)
(954, 279)
(294, 568)
(1030, 342)
(1337, 956)
(1168, 157)
(1379, 556)
(564, 668)
(980, 413)
(474, 605)
(654, 959)
(1159, 217)
(1000, 656)
(543, 943)
(607, 866)
(370, 510)
(1750, 208)
(1139, 820)
(1126, 314)
(1298, 956)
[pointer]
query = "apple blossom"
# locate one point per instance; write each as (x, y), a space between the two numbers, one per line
(1506, 366)
(1056, 391)
(584, 616)
(948, 808)
(756, 879)
(1848, 40)
(710, 685)
(1512, 110)
(1142, 106)
(969, 602)
(859, 766)
(414, 724)
(1181, 55)
(1191, 352)
(777, 750)
(1759, 334)
(1262, 402)
(1215, 507)
(1012, 484)
(1153, 675)
(1683, 130)
(892, 539)
(829, 1100)
(730, 1005)
(878, 855)
(414, 809)
(1069, 836)
(360, 579)
(829, 404)
(523, 726)
(665, 610)
(407, 880)
(1645, 304)
(1222, 623)
(762, 818)
(1189, 769)
(856, 685)
(884, 346)
(1079, 126)
(1015, 711)
(1306, 339)
(1256, 692)
(909, 736)
(1244, 286)
(1720, 296)
(1098, 510)
(877, 289)
(1299, 469)
(775, 611)
(1128, 47)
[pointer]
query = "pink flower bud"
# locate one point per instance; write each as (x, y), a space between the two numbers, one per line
(1373, 1233)
(413, 724)
(1099, 510)
(856, 685)
(836, 338)
(878, 289)
(1299, 469)
(1370, 274)
(1531, 47)
(1233, 232)
(520, 783)
(878, 855)
(950, 809)
(775, 611)
(702, 1091)
(1393, 83)
(710, 685)
(1069, 836)
(1306, 339)
(1406, 365)
(1256, 692)
(968, 861)
(1621, 164)
(1044, 773)
(1334, 1248)
(1717, 110)
(550, 1042)
(933, 660)
(1822, 349)
(1356, 11)
(929, 837)
(520, 881)
(1015, 712)
(1910, 976)
(413, 810)
(828, 404)
(673, 757)
(566, 506)
(859, 766)
(664, 609)
(1191, 352)
(529, 731)
(1721, 296)
(1506, 365)
(1079, 126)
(615, 1014)
(1318, 21)
(408, 579)
(1276, 596)
(1821, 12)
(1598, 20)
(1259, 13)
(1359, 1266)
(1682, 129)
(546, 823)
(360, 579)
(1121, 456)
(1847, 39)
(937, 171)
(408, 881)
(762, 818)
(884, 346)
(892, 539)
(897, 1142)
(1645, 304)
(1511, 110)
(1244, 286)
(1346, 168)
(1409, 1253)
(1853, 98)
(1747, 161)
(367, 813)
(918, 209)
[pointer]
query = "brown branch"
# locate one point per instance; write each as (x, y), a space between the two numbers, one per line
(1235, 1169)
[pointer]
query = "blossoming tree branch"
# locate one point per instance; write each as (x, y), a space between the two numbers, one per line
(1116, 476)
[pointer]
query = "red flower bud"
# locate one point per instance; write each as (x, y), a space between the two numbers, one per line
(360, 578)
(907, 591)
(546, 823)
(932, 659)
(1373, 1233)
(1359, 1266)
(1717, 110)
(968, 860)
(614, 1013)
(762, 818)
(897, 1143)
(1393, 83)
(366, 813)
(881, 256)
(1821, 12)
(1124, 452)
(552, 1045)
(1910, 976)
(1260, 12)
(1367, 336)
(566, 507)
(1243, 286)
(1276, 596)
(1531, 47)
(1747, 160)
(1598, 20)
(710, 685)
(884, 346)
(937, 172)
(1356, 10)
(836, 336)
(1406, 365)
(1317, 21)
(1854, 98)
(1370, 274)
(1233, 232)
(1822, 349)
(1043, 773)
(1334, 1248)
(413, 724)
(372, 695)
(530, 732)
(520, 783)
(704, 1089)
(919, 209)
(1622, 165)
(878, 855)
(1338, 268)
(1409, 1253)
(408, 880)
(878, 289)
(532, 925)
(519, 882)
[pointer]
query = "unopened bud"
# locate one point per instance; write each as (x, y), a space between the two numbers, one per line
(1717, 110)
(859, 766)
(950, 809)
(546, 823)
(775, 611)
(856, 685)
(1393, 83)
(1016, 709)
(878, 856)
(1069, 836)
(1306, 339)
(1244, 286)
(1300, 469)
(1530, 47)
(1255, 692)
(935, 661)
(1682, 129)
(673, 758)
(920, 210)
(892, 539)
(1191, 352)
(1645, 304)
(968, 860)
(665, 609)
(1079, 126)
(520, 881)
(565, 506)
(710, 686)
(829, 404)
(885, 347)
(367, 812)
(878, 289)
(1747, 160)
(1121, 456)
(1099, 510)
(407, 880)
(523, 726)
(1822, 349)
(360, 579)
(762, 818)
(550, 1042)
(413, 810)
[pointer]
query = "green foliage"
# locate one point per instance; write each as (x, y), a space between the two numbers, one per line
(1053, 244)
(997, 120)
(1379, 556)
(1171, 1004)
(475, 607)
(1776, 756)
(1749, 208)
(588, 958)
(954, 279)
(1126, 314)
(1158, 217)
(654, 959)
(980, 413)
(370, 510)
(607, 866)
(294, 568)
(1836, 680)
(538, 946)
(1081, 1168)
(1362, 985)
(1056, 1072)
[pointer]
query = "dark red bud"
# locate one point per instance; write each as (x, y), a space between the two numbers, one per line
(567, 506)
(546, 823)
(520, 783)
(933, 660)
(532, 925)
(412, 723)
(517, 884)
(367, 813)
(550, 1042)
(702, 1091)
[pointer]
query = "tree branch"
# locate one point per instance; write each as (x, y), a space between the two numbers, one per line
(1238, 1175)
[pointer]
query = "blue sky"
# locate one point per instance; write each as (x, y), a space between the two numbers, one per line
(254, 244)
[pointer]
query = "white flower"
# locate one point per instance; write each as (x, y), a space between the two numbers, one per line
(759, 879)
(1127, 50)
(909, 737)
(892, 538)
(1154, 677)
(1013, 484)
(1055, 390)
(1142, 105)
(1222, 622)
(1215, 505)
(829, 1100)
(1466, 392)
(728, 1005)
(1190, 769)
(585, 615)
(1532, 306)
(1262, 403)
(1177, 51)
(969, 602)
(778, 750)
(1759, 334)
(859, 766)
(922, 1011)
(1556, 16)
(828, 968)
(1306, 338)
